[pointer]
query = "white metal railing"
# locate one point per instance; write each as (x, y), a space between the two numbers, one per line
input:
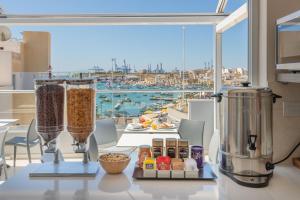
(151, 91)
(113, 91)
(16, 91)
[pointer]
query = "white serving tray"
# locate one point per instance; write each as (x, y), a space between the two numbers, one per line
(66, 169)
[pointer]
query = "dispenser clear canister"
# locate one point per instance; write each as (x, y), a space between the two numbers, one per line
(49, 99)
(81, 107)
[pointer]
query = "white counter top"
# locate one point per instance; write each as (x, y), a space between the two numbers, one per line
(3, 124)
(285, 184)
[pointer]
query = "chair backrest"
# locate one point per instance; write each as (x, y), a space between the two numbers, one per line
(192, 130)
(106, 132)
(3, 133)
(93, 149)
(32, 134)
(213, 148)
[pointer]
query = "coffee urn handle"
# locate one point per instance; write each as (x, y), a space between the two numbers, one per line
(218, 96)
(275, 97)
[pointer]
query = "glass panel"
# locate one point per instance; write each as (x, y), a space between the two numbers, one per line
(145, 70)
(126, 106)
(129, 105)
(115, 6)
(19, 106)
(104, 6)
(232, 5)
(235, 54)
(288, 51)
(135, 57)
(141, 71)
(197, 58)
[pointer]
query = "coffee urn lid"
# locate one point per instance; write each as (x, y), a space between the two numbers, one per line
(246, 90)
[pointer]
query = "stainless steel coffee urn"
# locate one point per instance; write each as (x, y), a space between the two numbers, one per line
(245, 123)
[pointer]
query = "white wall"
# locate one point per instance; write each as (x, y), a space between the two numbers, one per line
(5, 68)
(286, 130)
(5, 82)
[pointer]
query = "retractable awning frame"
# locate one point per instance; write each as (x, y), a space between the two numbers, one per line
(112, 19)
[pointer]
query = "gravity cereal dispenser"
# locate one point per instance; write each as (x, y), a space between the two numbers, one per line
(81, 112)
(49, 95)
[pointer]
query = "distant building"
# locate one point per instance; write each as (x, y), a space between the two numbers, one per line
(240, 70)
(184, 74)
(20, 63)
(27, 58)
(132, 77)
(226, 71)
(176, 70)
(159, 69)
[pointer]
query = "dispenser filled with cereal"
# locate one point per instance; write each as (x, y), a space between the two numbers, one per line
(81, 109)
(49, 99)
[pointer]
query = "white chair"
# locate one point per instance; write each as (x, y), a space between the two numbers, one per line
(32, 139)
(104, 140)
(191, 130)
(3, 133)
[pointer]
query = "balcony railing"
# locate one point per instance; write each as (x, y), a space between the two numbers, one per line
(120, 104)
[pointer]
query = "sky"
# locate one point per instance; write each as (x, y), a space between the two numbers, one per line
(78, 48)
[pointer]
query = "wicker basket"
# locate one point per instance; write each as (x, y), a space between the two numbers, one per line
(114, 167)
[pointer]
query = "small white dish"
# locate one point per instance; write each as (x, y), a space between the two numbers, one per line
(167, 128)
(135, 127)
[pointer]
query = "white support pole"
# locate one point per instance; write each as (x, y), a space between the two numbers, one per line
(221, 6)
(234, 18)
(218, 62)
(217, 72)
(253, 42)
